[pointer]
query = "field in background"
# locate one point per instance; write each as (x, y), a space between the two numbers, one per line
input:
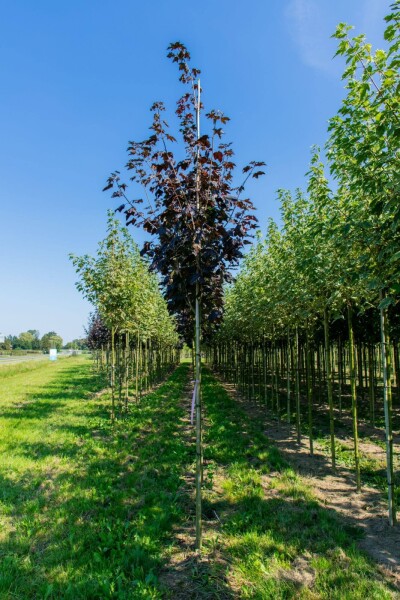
(10, 359)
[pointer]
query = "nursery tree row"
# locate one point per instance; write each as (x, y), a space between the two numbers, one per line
(316, 303)
(133, 336)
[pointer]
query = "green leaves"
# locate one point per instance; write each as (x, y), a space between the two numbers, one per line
(386, 302)
(118, 283)
(395, 257)
(335, 247)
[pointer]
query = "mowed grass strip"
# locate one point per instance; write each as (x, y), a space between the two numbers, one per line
(273, 539)
(86, 510)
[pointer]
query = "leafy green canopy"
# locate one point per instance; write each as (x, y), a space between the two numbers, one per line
(118, 283)
(335, 248)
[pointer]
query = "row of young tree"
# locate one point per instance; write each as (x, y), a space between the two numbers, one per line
(336, 249)
(316, 301)
(131, 333)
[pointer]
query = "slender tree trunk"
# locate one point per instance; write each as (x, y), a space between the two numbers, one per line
(112, 374)
(296, 354)
(319, 375)
(354, 396)
(387, 405)
(274, 380)
(360, 371)
(141, 370)
(264, 353)
(199, 468)
(126, 369)
(340, 374)
(396, 367)
(329, 387)
(288, 363)
(251, 357)
(119, 370)
(309, 391)
(137, 367)
(371, 379)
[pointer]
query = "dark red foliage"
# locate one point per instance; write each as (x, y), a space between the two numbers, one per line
(198, 219)
(98, 334)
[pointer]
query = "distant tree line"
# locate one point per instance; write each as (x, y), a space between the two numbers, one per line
(77, 344)
(31, 340)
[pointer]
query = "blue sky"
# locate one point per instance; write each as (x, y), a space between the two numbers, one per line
(77, 80)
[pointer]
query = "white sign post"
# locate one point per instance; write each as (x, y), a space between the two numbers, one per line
(53, 353)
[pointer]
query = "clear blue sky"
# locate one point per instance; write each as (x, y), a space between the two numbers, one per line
(77, 79)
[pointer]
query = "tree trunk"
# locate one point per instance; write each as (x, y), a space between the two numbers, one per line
(199, 453)
(340, 374)
(387, 405)
(288, 368)
(371, 380)
(309, 392)
(296, 354)
(353, 395)
(137, 367)
(112, 374)
(329, 387)
(126, 369)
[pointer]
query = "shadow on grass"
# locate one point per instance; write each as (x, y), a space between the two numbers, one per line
(97, 526)
(274, 535)
(59, 388)
(93, 513)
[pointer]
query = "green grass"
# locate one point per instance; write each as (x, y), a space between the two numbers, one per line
(85, 509)
(373, 471)
(273, 530)
(88, 511)
(10, 370)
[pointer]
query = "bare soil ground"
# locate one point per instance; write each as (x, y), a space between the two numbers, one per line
(337, 491)
(187, 570)
(187, 574)
(373, 447)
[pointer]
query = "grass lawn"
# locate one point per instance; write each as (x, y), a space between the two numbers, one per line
(273, 536)
(90, 511)
(84, 509)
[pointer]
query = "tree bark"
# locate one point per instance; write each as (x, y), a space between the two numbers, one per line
(387, 405)
(354, 396)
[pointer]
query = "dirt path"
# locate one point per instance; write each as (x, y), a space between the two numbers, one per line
(367, 509)
(186, 570)
(176, 576)
(373, 447)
